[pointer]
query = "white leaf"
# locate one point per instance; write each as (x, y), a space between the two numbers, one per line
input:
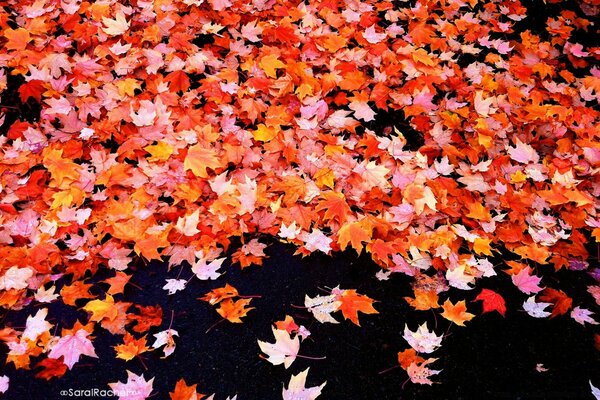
(283, 351)
(296, 389)
(536, 310)
(422, 340)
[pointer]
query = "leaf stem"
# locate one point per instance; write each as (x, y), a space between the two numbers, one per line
(310, 358)
(215, 324)
(389, 369)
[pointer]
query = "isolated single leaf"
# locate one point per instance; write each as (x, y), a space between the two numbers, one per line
(297, 389)
(351, 303)
(422, 340)
(535, 309)
(559, 299)
(492, 301)
(136, 387)
(283, 351)
(456, 313)
(131, 347)
(233, 311)
(165, 338)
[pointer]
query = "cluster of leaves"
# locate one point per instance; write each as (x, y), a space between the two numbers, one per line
(167, 128)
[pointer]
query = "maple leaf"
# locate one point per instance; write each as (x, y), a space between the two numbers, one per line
(422, 340)
(145, 115)
(198, 159)
(178, 81)
(51, 368)
(492, 301)
(595, 391)
(316, 240)
(424, 300)
(419, 373)
(184, 392)
(560, 301)
(523, 153)
(32, 89)
(102, 309)
(526, 282)
(407, 357)
(535, 309)
(322, 307)
(17, 38)
(217, 295)
(233, 311)
(165, 338)
(459, 279)
(270, 64)
(188, 224)
(372, 36)
(175, 285)
(283, 351)
(15, 278)
(456, 313)
(36, 325)
(131, 347)
(582, 315)
(208, 271)
(117, 26)
(289, 232)
(354, 233)
(72, 347)
(136, 387)
(4, 383)
(117, 283)
(297, 389)
(351, 303)
(149, 316)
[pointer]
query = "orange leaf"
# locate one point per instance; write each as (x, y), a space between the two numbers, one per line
(184, 392)
(131, 347)
(234, 310)
(354, 233)
(424, 299)
(407, 357)
(217, 295)
(179, 81)
(198, 159)
(562, 303)
(456, 313)
(352, 303)
(17, 39)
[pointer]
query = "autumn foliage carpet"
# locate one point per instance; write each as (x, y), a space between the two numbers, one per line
(333, 199)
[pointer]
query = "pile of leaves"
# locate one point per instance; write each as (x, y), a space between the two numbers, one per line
(433, 135)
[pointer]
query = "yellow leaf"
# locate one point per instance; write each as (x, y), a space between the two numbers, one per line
(482, 246)
(102, 309)
(264, 133)
(127, 87)
(518, 177)
(270, 64)
(159, 152)
(304, 90)
(324, 177)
